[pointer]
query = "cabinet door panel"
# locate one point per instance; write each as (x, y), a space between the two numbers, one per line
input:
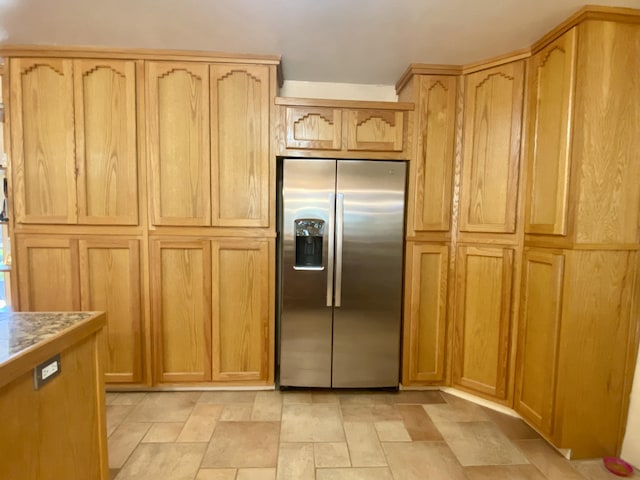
(105, 108)
(375, 130)
(241, 309)
(425, 312)
(182, 310)
(551, 84)
(482, 324)
(48, 274)
(540, 315)
(42, 141)
(110, 281)
(493, 115)
(178, 142)
(434, 165)
(316, 128)
(240, 145)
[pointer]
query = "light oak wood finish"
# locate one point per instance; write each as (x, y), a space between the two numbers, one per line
(110, 281)
(178, 142)
(181, 309)
(316, 128)
(48, 273)
(105, 126)
(483, 320)
(42, 139)
(551, 90)
(241, 309)
(240, 176)
(431, 174)
(426, 272)
(58, 431)
(374, 130)
(538, 345)
(493, 111)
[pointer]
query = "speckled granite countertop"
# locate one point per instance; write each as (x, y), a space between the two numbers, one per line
(22, 331)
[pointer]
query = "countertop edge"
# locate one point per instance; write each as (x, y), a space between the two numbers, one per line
(28, 358)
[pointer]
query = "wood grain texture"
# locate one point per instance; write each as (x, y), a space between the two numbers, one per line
(483, 319)
(178, 143)
(597, 335)
(181, 309)
(490, 168)
(539, 333)
(105, 126)
(374, 130)
(606, 140)
(317, 128)
(240, 99)
(58, 431)
(434, 152)
(425, 313)
(47, 269)
(110, 282)
(241, 318)
(42, 138)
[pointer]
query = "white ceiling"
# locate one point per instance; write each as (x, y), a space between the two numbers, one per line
(352, 41)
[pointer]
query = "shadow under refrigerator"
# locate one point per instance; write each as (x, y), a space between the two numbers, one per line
(342, 231)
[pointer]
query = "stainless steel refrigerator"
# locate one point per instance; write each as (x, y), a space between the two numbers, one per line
(341, 235)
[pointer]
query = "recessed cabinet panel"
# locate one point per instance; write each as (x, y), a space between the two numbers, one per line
(490, 165)
(241, 309)
(314, 128)
(434, 162)
(375, 130)
(178, 143)
(105, 110)
(48, 274)
(540, 316)
(240, 145)
(482, 324)
(182, 310)
(551, 86)
(42, 134)
(110, 281)
(425, 312)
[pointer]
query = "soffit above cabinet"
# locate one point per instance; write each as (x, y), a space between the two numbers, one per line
(368, 42)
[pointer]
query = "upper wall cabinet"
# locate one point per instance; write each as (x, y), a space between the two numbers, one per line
(208, 144)
(74, 168)
(490, 166)
(583, 183)
(342, 129)
(551, 82)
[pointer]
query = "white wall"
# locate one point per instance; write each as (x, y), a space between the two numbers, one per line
(631, 444)
(339, 91)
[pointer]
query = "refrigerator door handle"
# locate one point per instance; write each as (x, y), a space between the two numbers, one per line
(330, 255)
(339, 235)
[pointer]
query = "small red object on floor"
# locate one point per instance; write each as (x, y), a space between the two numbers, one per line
(618, 466)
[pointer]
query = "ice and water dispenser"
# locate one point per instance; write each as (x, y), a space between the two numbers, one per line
(309, 233)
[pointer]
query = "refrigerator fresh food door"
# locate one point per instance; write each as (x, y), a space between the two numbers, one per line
(368, 273)
(308, 226)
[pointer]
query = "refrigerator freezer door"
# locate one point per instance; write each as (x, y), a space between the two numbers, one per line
(308, 191)
(366, 325)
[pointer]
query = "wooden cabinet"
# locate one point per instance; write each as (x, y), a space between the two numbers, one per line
(551, 87)
(583, 186)
(539, 334)
(74, 168)
(425, 313)
(481, 346)
(208, 144)
(343, 129)
(490, 165)
(213, 309)
(432, 171)
(63, 273)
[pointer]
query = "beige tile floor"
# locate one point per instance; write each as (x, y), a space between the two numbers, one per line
(325, 435)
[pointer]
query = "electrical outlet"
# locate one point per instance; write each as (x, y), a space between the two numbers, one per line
(46, 371)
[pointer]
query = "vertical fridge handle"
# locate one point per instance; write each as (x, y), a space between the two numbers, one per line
(339, 235)
(330, 240)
